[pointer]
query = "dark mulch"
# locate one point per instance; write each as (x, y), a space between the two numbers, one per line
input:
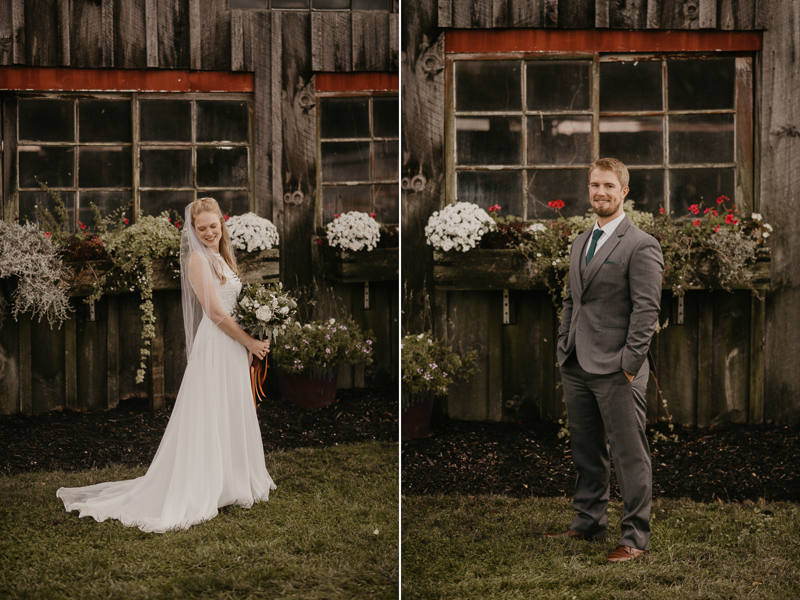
(732, 463)
(130, 434)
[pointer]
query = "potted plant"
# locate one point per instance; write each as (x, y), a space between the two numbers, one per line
(429, 365)
(309, 355)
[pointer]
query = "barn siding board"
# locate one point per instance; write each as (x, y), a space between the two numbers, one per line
(86, 34)
(71, 362)
(173, 34)
(299, 147)
(382, 320)
(276, 54)
(628, 14)
(442, 12)
(64, 33)
(779, 181)
(261, 37)
(130, 322)
(9, 166)
(215, 36)
(195, 33)
(736, 14)
(18, 32)
(41, 33)
(744, 134)
(521, 385)
(93, 360)
(151, 32)
(108, 33)
(394, 42)
(472, 13)
(370, 33)
(48, 384)
(130, 39)
(9, 357)
(332, 41)
(602, 18)
(757, 322)
(675, 14)
(551, 405)
(731, 374)
(112, 351)
(174, 341)
(576, 14)
(675, 350)
(25, 366)
(6, 34)
(708, 14)
(156, 365)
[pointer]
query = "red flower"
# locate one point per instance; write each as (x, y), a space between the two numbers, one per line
(372, 215)
(126, 221)
(46, 234)
(226, 217)
(555, 204)
(722, 199)
(335, 216)
(713, 212)
(319, 242)
(495, 208)
(178, 225)
(697, 223)
(82, 225)
(705, 212)
(716, 229)
(731, 220)
(661, 210)
(694, 209)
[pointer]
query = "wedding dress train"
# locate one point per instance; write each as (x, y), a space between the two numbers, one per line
(211, 454)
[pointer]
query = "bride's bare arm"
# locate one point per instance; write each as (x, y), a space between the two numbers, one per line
(206, 294)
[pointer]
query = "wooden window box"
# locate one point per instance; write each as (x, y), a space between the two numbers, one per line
(347, 266)
(258, 267)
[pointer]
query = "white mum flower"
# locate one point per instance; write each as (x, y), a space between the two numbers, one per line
(264, 314)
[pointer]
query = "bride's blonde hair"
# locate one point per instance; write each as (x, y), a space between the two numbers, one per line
(202, 205)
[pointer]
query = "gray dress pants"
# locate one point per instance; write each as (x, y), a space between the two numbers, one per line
(603, 411)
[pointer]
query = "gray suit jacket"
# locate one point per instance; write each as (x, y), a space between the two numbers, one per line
(612, 304)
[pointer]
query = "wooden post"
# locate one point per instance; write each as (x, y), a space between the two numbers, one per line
(549, 397)
(25, 366)
(112, 345)
(71, 362)
(758, 316)
(705, 352)
(157, 358)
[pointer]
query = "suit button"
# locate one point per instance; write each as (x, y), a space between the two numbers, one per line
(583, 303)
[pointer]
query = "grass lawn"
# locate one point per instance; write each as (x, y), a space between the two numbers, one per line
(330, 530)
(493, 547)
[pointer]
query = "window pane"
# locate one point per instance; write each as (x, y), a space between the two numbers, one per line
(344, 117)
(222, 121)
(104, 120)
(386, 157)
(633, 140)
(630, 86)
(46, 120)
(289, 3)
(385, 115)
(487, 188)
(559, 84)
(51, 165)
(646, 189)
(372, 5)
(165, 167)
(222, 167)
(571, 186)
(29, 200)
(559, 140)
(106, 202)
(104, 167)
(386, 205)
(337, 200)
(695, 186)
(701, 138)
(247, 3)
(231, 202)
(489, 141)
(488, 85)
(153, 203)
(328, 4)
(165, 120)
(345, 161)
(701, 84)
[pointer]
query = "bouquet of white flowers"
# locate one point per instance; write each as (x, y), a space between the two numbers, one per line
(458, 226)
(353, 231)
(251, 232)
(264, 311)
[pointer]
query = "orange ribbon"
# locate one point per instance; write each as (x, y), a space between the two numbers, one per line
(258, 373)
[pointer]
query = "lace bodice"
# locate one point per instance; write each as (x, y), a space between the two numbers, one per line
(229, 291)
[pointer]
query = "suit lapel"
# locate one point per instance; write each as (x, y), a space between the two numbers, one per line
(602, 254)
(575, 264)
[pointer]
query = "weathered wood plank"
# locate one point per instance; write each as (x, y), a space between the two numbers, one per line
(758, 313)
(298, 144)
(442, 11)
(18, 32)
(380, 264)
(41, 33)
(517, 13)
(48, 383)
(151, 32)
(676, 14)
(174, 342)
(195, 32)
(675, 350)
(370, 31)
(63, 33)
(276, 126)
(470, 313)
(71, 362)
(550, 17)
(25, 366)
(521, 357)
(576, 14)
(705, 362)
(86, 34)
(92, 351)
(440, 329)
(394, 42)
(261, 34)
(112, 351)
(708, 14)
(156, 362)
(237, 40)
(472, 13)
(494, 387)
(331, 41)
(173, 34)
(9, 357)
(745, 148)
(215, 36)
(736, 14)
(551, 404)
(731, 372)
(8, 203)
(108, 33)
(602, 10)
(130, 38)
(6, 35)
(627, 14)
(130, 322)
(779, 181)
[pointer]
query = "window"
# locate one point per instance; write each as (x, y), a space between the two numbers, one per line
(161, 150)
(358, 156)
(313, 4)
(524, 130)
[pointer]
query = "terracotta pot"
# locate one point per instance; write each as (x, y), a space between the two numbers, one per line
(416, 419)
(307, 391)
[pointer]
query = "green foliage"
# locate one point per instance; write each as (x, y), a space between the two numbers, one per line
(264, 311)
(29, 255)
(319, 347)
(56, 226)
(429, 365)
(328, 531)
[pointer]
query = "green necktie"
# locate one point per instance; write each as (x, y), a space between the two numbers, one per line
(595, 236)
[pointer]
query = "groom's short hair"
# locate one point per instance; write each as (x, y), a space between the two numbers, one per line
(615, 166)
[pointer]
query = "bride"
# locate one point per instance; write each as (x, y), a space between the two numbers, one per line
(211, 454)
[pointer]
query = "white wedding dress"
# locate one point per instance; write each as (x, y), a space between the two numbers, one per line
(211, 454)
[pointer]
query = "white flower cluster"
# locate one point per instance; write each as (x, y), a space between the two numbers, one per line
(458, 226)
(768, 228)
(251, 232)
(353, 231)
(536, 228)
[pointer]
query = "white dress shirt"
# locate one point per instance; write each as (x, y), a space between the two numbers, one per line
(607, 230)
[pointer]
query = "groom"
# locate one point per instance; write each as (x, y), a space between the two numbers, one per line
(608, 317)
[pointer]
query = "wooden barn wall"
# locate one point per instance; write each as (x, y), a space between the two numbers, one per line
(89, 364)
(780, 181)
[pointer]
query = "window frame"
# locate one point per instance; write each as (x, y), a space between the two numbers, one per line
(744, 117)
(320, 184)
(11, 136)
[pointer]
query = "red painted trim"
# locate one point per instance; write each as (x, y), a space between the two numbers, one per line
(46, 79)
(356, 82)
(598, 40)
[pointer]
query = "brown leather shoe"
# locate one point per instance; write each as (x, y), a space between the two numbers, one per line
(574, 535)
(625, 553)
